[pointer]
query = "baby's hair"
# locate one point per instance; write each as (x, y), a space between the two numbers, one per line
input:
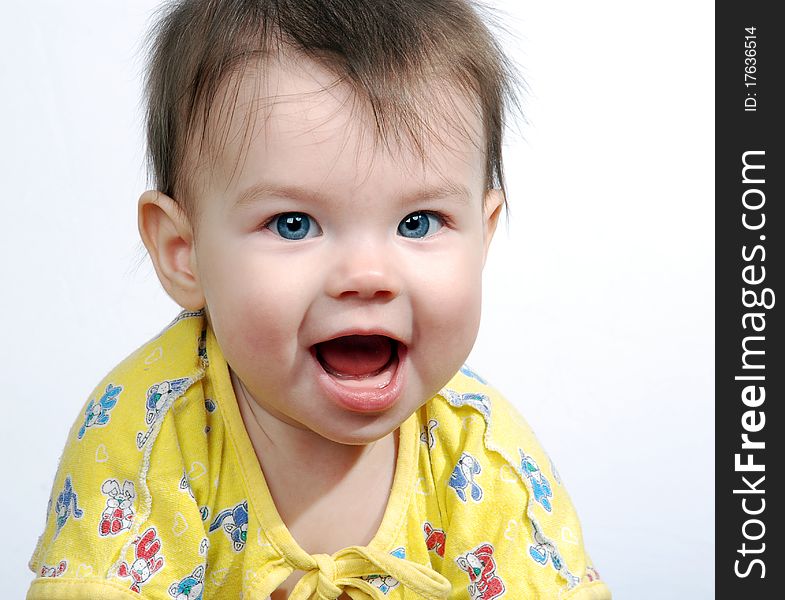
(393, 53)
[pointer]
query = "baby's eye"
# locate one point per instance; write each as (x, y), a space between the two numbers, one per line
(294, 226)
(419, 224)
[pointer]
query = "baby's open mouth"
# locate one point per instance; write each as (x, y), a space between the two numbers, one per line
(357, 356)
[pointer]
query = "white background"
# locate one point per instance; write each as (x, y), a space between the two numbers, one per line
(599, 306)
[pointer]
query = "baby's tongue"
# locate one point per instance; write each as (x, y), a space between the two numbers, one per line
(356, 355)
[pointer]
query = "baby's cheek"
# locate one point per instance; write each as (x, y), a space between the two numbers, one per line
(266, 327)
(454, 302)
(447, 323)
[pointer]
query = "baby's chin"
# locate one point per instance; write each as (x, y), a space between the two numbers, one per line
(358, 441)
(359, 436)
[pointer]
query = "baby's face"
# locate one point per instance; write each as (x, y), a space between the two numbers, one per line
(342, 280)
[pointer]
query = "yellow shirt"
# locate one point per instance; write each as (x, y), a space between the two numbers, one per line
(159, 495)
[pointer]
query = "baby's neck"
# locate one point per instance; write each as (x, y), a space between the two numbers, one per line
(310, 477)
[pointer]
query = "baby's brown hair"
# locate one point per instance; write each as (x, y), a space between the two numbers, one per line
(392, 53)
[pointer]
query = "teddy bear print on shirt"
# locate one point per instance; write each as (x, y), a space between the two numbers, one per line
(479, 564)
(96, 414)
(119, 512)
(159, 398)
(147, 563)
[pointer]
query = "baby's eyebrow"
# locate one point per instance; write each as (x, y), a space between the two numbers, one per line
(448, 189)
(258, 191)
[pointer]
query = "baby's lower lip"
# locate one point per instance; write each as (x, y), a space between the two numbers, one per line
(366, 395)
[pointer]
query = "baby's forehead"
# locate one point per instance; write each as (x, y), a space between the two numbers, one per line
(291, 113)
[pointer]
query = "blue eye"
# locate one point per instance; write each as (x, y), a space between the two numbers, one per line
(293, 226)
(419, 224)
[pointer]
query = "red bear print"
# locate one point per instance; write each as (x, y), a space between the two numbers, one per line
(481, 567)
(146, 563)
(119, 512)
(54, 571)
(435, 539)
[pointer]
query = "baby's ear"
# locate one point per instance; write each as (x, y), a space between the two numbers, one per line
(492, 208)
(168, 237)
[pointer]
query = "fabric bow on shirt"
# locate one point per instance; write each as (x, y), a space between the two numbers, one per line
(328, 576)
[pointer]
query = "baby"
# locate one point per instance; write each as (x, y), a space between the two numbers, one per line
(329, 179)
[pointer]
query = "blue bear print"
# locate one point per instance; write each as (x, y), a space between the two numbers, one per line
(463, 477)
(159, 396)
(543, 549)
(236, 525)
(540, 485)
(189, 587)
(466, 370)
(66, 502)
(480, 402)
(97, 413)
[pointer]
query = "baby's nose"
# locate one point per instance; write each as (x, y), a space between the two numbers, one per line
(367, 271)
